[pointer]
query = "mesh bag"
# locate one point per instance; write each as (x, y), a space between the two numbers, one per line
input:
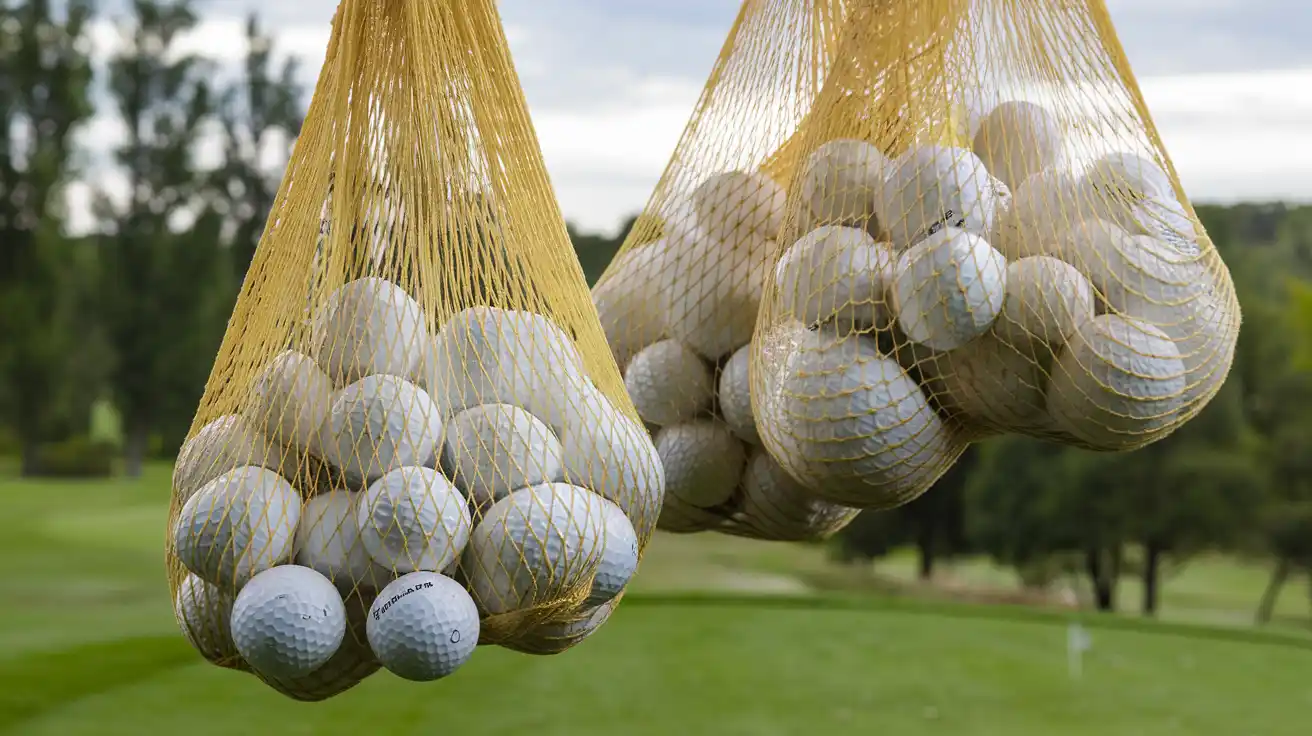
(985, 235)
(414, 439)
(680, 300)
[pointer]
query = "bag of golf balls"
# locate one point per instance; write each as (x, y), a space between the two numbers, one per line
(1030, 267)
(414, 439)
(680, 300)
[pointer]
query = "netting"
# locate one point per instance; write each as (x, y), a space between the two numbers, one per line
(1031, 267)
(958, 221)
(679, 303)
(414, 439)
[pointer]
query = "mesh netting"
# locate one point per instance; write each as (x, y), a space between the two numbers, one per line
(967, 227)
(679, 302)
(414, 439)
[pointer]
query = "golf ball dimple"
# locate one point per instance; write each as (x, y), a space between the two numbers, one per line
(423, 626)
(328, 541)
(204, 612)
(241, 523)
(949, 289)
(492, 449)
(288, 621)
(935, 187)
(224, 444)
(369, 326)
(534, 546)
(413, 519)
(381, 423)
(619, 557)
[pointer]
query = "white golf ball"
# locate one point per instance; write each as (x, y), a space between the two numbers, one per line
(736, 397)
(935, 187)
(711, 306)
(606, 452)
(1042, 211)
(423, 626)
(1017, 139)
(1135, 194)
(493, 449)
(628, 299)
(288, 621)
(1147, 278)
(1117, 384)
(369, 326)
(381, 423)
(853, 427)
(224, 444)
(778, 508)
(995, 384)
(619, 557)
(413, 519)
(534, 546)
(328, 542)
(669, 383)
(1046, 300)
(237, 525)
(290, 399)
(486, 355)
(204, 612)
(835, 272)
(734, 206)
(842, 181)
(353, 662)
(949, 289)
(703, 462)
(555, 637)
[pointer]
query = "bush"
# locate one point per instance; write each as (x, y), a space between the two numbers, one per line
(78, 457)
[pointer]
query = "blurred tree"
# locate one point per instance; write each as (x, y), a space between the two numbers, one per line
(870, 536)
(161, 248)
(1031, 503)
(44, 86)
(261, 115)
(596, 251)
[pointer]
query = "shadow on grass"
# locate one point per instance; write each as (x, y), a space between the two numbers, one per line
(35, 683)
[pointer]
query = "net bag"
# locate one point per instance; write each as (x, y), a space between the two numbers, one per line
(986, 236)
(679, 302)
(414, 439)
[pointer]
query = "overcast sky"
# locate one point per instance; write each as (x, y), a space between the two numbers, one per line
(610, 85)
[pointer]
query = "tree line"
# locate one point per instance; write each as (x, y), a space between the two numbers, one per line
(133, 313)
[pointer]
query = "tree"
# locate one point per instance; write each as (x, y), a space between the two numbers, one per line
(1036, 505)
(159, 279)
(595, 252)
(43, 97)
(261, 111)
(936, 519)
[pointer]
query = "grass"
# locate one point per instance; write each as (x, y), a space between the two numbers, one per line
(88, 646)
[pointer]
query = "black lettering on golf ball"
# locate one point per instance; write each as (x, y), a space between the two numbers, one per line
(391, 601)
(455, 636)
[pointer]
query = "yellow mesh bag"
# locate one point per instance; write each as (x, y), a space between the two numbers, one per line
(414, 439)
(985, 236)
(680, 300)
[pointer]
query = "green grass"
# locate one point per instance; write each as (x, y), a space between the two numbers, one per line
(88, 646)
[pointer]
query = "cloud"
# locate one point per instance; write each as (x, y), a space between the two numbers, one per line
(611, 83)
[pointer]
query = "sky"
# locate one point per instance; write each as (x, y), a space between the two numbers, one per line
(611, 84)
